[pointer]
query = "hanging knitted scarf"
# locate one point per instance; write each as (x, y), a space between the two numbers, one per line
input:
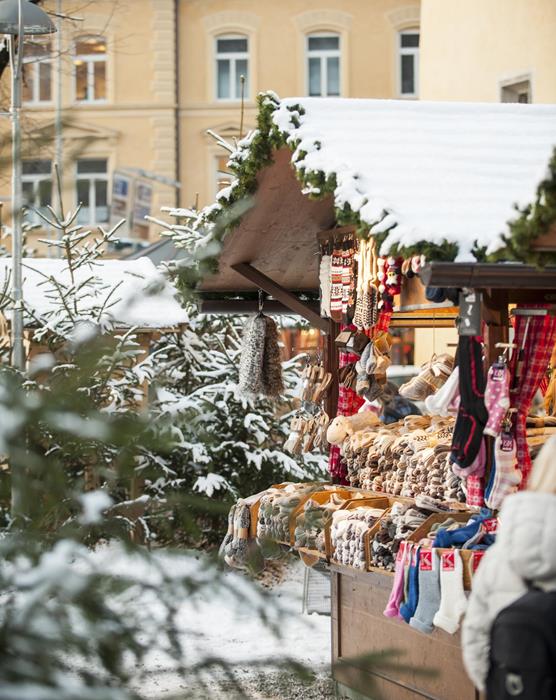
(252, 353)
(273, 382)
(260, 367)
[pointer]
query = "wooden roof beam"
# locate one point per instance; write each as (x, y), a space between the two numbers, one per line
(282, 295)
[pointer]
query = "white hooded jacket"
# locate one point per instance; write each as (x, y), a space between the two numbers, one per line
(524, 552)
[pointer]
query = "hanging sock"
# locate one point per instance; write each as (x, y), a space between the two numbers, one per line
(497, 398)
(407, 610)
(472, 414)
(429, 591)
(453, 601)
(505, 476)
(325, 282)
(336, 289)
(393, 606)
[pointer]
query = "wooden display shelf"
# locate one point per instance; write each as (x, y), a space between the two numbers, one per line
(359, 628)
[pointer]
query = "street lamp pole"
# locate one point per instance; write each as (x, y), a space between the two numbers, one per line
(17, 19)
(18, 358)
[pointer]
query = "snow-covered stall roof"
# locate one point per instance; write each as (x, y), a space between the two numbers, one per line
(424, 171)
(143, 296)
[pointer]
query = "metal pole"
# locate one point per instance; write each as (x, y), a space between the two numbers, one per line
(59, 125)
(18, 354)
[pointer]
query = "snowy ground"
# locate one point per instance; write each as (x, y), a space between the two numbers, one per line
(214, 623)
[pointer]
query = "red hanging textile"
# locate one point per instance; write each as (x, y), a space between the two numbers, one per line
(534, 337)
(348, 404)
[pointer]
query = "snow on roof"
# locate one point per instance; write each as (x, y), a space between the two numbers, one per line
(433, 170)
(143, 298)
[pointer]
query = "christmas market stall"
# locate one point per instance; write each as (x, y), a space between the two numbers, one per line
(365, 216)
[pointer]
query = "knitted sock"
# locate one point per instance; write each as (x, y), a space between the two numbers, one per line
(439, 404)
(477, 466)
(453, 601)
(446, 538)
(407, 609)
(429, 591)
(505, 476)
(393, 607)
(497, 398)
(324, 280)
(336, 290)
(472, 414)
(406, 568)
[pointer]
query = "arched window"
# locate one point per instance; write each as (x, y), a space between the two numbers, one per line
(408, 70)
(323, 64)
(232, 62)
(90, 69)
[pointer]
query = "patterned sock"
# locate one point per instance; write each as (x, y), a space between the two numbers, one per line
(505, 476)
(497, 398)
(452, 594)
(407, 610)
(429, 591)
(324, 280)
(336, 268)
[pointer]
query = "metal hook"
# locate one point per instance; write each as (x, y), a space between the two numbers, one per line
(261, 300)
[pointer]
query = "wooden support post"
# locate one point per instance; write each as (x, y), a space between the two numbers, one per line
(282, 295)
(331, 364)
(495, 315)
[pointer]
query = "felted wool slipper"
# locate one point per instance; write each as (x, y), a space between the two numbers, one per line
(432, 376)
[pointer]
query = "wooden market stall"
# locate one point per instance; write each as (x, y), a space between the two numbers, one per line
(434, 179)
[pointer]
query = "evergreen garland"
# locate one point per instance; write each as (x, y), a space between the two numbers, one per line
(534, 220)
(256, 152)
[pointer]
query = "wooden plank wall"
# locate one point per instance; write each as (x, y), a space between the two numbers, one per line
(359, 628)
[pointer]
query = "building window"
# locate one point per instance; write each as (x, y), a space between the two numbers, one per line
(92, 190)
(232, 62)
(519, 91)
(323, 65)
(36, 182)
(90, 69)
(37, 86)
(409, 62)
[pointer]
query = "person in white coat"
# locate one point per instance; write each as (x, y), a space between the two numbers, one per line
(524, 553)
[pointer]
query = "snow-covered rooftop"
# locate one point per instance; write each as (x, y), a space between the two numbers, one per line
(435, 170)
(143, 296)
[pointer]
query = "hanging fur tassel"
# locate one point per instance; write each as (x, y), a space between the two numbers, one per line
(273, 382)
(252, 353)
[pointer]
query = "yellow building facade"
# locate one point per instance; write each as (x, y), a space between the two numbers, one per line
(136, 85)
(351, 48)
(100, 99)
(488, 50)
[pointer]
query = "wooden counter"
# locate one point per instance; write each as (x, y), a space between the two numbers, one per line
(359, 628)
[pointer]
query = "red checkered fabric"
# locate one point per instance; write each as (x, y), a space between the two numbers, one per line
(475, 491)
(383, 322)
(534, 337)
(348, 404)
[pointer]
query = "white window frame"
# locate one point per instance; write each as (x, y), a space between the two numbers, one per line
(323, 55)
(93, 179)
(233, 58)
(35, 179)
(408, 51)
(32, 68)
(90, 59)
